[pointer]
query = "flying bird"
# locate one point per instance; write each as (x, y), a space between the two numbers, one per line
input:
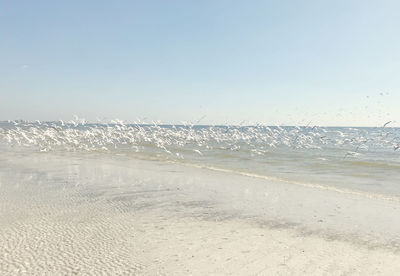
(387, 123)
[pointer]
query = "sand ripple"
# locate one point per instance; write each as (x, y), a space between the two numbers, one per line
(50, 226)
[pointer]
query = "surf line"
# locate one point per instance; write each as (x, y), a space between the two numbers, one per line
(303, 184)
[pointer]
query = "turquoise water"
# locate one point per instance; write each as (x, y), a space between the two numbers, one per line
(359, 159)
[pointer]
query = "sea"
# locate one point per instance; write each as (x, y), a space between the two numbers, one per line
(353, 160)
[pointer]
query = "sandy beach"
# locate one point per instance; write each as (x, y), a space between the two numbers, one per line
(88, 214)
(199, 138)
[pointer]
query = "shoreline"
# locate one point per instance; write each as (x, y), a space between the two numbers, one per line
(81, 215)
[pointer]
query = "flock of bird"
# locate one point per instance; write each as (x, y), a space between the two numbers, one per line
(180, 140)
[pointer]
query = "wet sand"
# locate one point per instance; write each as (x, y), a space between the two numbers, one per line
(95, 215)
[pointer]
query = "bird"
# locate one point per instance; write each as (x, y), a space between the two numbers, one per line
(385, 124)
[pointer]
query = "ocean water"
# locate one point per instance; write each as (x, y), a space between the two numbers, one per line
(344, 159)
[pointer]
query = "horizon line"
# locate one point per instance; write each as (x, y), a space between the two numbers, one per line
(182, 124)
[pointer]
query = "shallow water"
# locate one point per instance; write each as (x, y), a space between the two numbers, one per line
(355, 159)
(68, 211)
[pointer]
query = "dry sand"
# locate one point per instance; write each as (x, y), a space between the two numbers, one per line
(84, 216)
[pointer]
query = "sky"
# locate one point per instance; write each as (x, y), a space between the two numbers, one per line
(212, 62)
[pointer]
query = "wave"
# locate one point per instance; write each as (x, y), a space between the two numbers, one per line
(303, 184)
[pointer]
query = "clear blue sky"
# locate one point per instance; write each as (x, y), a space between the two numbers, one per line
(276, 62)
